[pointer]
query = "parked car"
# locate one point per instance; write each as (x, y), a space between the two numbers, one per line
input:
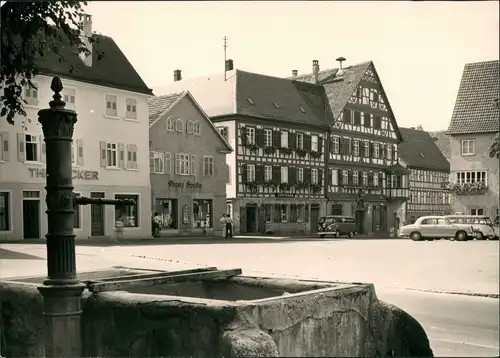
(435, 227)
(482, 225)
(337, 225)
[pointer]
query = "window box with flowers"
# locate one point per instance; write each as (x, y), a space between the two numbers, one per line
(301, 152)
(315, 188)
(475, 188)
(315, 154)
(269, 150)
(285, 186)
(269, 184)
(252, 186)
(301, 185)
(252, 147)
(286, 150)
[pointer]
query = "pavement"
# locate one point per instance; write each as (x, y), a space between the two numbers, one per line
(457, 325)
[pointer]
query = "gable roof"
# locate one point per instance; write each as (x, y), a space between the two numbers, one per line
(340, 85)
(160, 106)
(475, 109)
(251, 94)
(112, 70)
(419, 150)
(443, 142)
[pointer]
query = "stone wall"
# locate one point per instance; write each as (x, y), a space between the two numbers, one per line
(307, 319)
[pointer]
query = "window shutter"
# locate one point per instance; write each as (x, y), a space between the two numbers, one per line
(357, 118)
(349, 177)
(292, 140)
(193, 164)
(177, 163)
(128, 156)
(372, 149)
(21, 147)
(370, 179)
(382, 151)
(244, 173)
(320, 144)
(276, 175)
(320, 177)
(201, 166)
(259, 173)
(43, 148)
(340, 177)
(151, 161)
(307, 175)
(347, 116)
(167, 163)
(394, 152)
(121, 155)
(307, 142)
(292, 175)
(259, 137)
(102, 147)
(276, 139)
(135, 149)
(360, 177)
(4, 142)
(79, 151)
(243, 134)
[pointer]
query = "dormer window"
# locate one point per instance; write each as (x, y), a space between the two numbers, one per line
(302, 109)
(276, 105)
(250, 100)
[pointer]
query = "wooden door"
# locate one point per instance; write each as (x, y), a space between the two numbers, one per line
(31, 219)
(314, 218)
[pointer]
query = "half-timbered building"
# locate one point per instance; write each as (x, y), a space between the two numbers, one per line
(278, 128)
(364, 178)
(429, 173)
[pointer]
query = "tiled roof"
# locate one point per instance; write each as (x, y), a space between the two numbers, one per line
(419, 150)
(256, 95)
(112, 70)
(280, 98)
(158, 105)
(475, 110)
(339, 86)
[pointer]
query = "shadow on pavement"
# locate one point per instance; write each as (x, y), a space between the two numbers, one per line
(13, 255)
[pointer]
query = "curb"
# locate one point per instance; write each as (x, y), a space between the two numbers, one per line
(460, 293)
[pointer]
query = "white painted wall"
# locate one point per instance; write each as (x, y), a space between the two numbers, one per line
(92, 127)
(231, 157)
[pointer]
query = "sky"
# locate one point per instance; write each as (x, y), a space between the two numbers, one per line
(419, 48)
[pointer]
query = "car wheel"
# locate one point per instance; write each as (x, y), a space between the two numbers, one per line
(337, 234)
(461, 236)
(322, 236)
(351, 234)
(415, 236)
(480, 236)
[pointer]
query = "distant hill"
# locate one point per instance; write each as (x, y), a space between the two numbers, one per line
(443, 142)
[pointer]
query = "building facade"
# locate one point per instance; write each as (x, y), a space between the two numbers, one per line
(109, 149)
(429, 174)
(364, 177)
(188, 166)
(475, 121)
(278, 129)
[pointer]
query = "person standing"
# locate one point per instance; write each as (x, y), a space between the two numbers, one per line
(223, 220)
(229, 227)
(119, 224)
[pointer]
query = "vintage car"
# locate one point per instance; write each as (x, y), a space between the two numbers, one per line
(436, 227)
(482, 225)
(337, 225)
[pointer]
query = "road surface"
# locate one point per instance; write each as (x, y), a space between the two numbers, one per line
(457, 325)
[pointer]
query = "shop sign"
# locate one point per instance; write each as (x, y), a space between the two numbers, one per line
(181, 185)
(77, 174)
(285, 195)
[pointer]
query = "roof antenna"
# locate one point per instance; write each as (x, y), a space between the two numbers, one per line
(225, 59)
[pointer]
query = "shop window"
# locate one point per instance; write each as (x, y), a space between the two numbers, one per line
(4, 212)
(202, 213)
(127, 214)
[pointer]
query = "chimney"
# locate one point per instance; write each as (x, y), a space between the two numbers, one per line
(340, 60)
(86, 33)
(295, 73)
(315, 71)
(177, 75)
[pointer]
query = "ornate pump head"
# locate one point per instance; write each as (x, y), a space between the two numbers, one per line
(57, 87)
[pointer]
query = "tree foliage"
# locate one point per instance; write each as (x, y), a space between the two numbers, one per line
(26, 35)
(495, 147)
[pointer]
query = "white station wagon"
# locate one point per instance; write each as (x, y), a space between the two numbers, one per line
(436, 227)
